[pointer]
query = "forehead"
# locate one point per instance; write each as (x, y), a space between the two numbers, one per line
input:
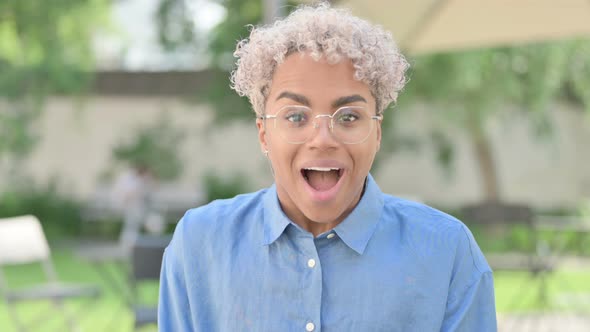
(317, 80)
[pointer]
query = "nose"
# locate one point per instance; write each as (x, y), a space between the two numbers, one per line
(318, 119)
(323, 136)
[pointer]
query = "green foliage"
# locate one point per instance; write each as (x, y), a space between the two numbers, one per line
(174, 31)
(59, 213)
(465, 89)
(45, 47)
(16, 135)
(577, 83)
(392, 140)
(174, 26)
(241, 14)
(221, 187)
(584, 208)
(480, 81)
(155, 147)
(517, 238)
(445, 153)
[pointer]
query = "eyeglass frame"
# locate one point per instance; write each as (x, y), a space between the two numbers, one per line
(330, 116)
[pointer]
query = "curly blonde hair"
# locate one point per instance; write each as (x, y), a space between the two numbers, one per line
(321, 31)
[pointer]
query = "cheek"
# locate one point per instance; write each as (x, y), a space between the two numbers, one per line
(281, 155)
(364, 157)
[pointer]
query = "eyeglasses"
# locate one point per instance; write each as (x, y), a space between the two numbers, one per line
(349, 124)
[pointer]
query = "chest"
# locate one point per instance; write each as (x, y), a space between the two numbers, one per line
(287, 286)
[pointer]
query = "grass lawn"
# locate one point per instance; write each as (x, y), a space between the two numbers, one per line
(108, 313)
(566, 291)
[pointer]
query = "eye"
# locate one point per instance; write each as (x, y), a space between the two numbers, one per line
(295, 117)
(348, 116)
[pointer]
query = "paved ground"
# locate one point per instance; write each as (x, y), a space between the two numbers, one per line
(548, 322)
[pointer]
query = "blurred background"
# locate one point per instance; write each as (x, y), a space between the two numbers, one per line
(116, 116)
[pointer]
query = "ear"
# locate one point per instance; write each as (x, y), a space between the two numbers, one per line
(261, 135)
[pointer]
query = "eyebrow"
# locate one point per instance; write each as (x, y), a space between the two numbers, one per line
(295, 97)
(347, 100)
(335, 104)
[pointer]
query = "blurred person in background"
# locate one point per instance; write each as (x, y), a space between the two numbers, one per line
(322, 249)
(132, 195)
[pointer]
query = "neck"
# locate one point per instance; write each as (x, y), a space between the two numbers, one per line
(315, 226)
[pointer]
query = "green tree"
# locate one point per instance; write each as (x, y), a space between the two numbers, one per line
(154, 147)
(45, 47)
(467, 88)
(241, 14)
(221, 43)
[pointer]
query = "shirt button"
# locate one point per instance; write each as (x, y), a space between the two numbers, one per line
(309, 327)
(331, 235)
(311, 264)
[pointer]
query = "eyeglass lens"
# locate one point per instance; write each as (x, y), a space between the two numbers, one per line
(349, 125)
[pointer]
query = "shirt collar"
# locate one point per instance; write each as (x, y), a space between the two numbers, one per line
(358, 227)
(275, 220)
(355, 230)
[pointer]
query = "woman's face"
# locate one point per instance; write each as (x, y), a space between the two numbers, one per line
(320, 181)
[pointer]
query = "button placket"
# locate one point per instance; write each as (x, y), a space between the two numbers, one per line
(313, 281)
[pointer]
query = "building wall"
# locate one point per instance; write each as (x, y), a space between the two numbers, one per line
(546, 171)
(77, 139)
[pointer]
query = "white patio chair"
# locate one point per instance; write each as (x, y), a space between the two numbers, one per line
(22, 241)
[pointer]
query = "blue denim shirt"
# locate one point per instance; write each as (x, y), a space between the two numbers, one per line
(391, 265)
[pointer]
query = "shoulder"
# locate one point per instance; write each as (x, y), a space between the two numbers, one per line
(435, 232)
(223, 212)
(219, 220)
(418, 215)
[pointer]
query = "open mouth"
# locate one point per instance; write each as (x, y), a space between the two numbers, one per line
(322, 178)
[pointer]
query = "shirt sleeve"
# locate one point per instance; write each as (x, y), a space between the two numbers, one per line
(474, 310)
(174, 312)
(471, 303)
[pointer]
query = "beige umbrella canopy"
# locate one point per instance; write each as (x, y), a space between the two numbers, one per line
(428, 26)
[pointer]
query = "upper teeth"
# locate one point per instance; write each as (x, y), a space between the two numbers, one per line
(321, 169)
